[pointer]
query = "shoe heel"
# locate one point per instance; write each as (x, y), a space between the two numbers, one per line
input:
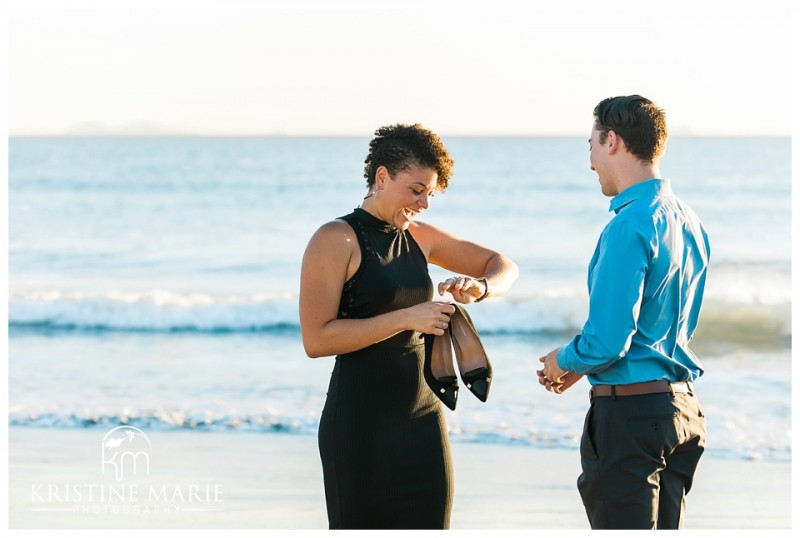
(473, 363)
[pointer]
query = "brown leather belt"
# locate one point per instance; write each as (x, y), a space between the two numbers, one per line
(637, 389)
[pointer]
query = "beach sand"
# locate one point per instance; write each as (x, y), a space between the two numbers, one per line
(221, 480)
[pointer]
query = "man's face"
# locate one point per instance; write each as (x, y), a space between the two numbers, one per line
(598, 160)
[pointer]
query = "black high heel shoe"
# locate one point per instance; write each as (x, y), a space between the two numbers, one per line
(438, 369)
(473, 363)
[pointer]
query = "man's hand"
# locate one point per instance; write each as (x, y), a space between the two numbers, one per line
(567, 380)
(552, 377)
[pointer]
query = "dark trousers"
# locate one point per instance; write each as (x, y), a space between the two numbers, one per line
(638, 456)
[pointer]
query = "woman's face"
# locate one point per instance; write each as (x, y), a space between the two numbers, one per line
(404, 196)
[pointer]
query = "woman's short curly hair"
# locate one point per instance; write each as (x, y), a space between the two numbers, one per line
(399, 146)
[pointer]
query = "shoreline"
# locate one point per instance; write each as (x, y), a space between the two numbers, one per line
(232, 480)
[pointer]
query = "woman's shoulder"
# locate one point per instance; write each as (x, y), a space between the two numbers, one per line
(332, 231)
(421, 227)
(336, 225)
(427, 236)
(427, 231)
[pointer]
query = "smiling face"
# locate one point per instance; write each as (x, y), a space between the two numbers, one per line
(401, 198)
(598, 160)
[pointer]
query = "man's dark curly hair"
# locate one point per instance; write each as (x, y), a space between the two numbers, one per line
(399, 146)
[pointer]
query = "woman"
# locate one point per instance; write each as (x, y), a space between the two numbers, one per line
(365, 296)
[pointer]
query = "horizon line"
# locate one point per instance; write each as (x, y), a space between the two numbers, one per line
(683, 134)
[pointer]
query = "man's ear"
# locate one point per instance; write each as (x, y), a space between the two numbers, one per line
(615, 142)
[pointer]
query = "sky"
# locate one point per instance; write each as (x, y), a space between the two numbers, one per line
(717, 68)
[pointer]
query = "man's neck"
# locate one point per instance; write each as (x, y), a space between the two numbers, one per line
(636, 173)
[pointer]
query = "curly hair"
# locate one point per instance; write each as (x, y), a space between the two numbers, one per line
(399, 146)
(637, 120)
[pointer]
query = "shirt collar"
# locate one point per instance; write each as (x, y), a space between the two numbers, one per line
(648, 188)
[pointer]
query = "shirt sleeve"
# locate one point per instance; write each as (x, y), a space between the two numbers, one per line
(616, 284)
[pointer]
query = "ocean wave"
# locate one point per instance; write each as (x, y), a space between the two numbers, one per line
(165, 420)
(151, 311)
(553, 311)
(761, 448)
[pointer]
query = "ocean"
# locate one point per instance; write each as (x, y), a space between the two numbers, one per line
(153, 282)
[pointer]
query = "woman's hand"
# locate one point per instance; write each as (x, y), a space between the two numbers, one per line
(431, 317)
(464, 257)
(464, 289)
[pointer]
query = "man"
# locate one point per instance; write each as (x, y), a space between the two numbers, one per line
(645, 431)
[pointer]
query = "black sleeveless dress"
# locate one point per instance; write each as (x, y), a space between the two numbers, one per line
(382, 436)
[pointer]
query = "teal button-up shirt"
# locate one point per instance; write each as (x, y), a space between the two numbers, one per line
(646, 282)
